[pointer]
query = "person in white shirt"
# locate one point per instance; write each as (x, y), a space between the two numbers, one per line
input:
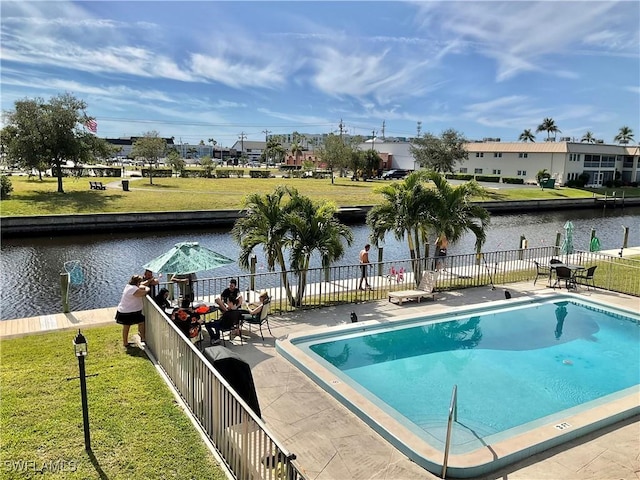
(129, 310)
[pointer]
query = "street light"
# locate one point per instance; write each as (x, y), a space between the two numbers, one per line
(81, 350)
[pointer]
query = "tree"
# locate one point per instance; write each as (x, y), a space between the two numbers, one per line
(175, 161)
(548, 125)
(588, 137)
(542, 175)
(208, 166)
(440, 153)
(334, 153)
(150, 147)
(413, 210)
(285, 221)
(371, 163)
(213, 148)
(274, 151)
(40, 134)
(624, 136)
(296, 150)
(527, 136)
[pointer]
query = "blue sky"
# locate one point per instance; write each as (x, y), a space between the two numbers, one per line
(200, 70)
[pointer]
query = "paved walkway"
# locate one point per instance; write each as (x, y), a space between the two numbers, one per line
(332, 443)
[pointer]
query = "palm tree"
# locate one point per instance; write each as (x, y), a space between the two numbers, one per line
(313, 229)
(409, 208)
(548, 125)
(296, 150)
(286, 220)
(213, 148)
(588, 138)
(624, 136)
(527, 136)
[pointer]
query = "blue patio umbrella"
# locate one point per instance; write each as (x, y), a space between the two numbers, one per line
(567, 244)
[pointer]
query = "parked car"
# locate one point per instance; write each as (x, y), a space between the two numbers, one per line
(395, 174)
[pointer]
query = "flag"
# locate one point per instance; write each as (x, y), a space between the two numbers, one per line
(92, 125)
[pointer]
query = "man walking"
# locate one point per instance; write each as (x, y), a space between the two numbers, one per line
(364, 264)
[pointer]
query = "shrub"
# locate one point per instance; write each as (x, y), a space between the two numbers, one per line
(459, 176)
(5, 186)
(487, 178)
(514, 180)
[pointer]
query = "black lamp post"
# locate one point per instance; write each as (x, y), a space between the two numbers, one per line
(80, 349)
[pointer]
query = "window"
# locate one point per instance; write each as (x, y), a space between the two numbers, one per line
(524, 173)
(477, 170)
(497, 172)
(497, 155)
(523, 155)
(479, 154)
(463, 170)
(574, 157)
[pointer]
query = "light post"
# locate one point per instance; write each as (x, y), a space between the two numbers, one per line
(80, 349)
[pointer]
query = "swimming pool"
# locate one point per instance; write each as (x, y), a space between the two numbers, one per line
(530, 374)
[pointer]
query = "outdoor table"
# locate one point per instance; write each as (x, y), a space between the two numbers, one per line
(574, 270)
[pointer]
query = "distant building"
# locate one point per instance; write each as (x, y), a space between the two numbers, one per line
(564, 160)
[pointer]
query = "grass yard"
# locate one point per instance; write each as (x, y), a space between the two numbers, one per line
(137, 428)
(35, 197)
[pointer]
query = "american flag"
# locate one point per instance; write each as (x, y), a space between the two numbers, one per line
(92, 125)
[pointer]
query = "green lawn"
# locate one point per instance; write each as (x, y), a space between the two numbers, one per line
(35, 197)
(138, 430)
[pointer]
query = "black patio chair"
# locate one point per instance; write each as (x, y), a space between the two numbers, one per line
(587, 278)
(565, 273)
(259, 319)
(541, 271)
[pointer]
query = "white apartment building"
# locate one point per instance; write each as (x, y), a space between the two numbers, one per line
(564, 160)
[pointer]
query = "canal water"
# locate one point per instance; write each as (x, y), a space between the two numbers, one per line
(30, 267)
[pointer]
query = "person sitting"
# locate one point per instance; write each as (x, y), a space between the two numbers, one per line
(187, 321)
(255, 311)
(228, 321)
(162, 299)
(230, 298)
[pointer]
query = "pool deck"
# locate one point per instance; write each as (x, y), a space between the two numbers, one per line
(332, 443)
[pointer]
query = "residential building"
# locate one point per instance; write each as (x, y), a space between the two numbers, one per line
(564, 160)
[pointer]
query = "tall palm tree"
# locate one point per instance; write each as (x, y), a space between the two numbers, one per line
(313, 229)
(548, 125)
(527, 136)
(287, 221)
(296, 150)
(588, 138)
(413, 210)
(453, 213)
(624, 136)
(264, 224)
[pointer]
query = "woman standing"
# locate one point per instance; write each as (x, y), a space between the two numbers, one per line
(129, 311)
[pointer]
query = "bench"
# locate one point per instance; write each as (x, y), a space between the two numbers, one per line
(97, 186)
(425, 288)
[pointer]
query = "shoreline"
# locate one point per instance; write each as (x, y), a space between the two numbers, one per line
(43, 225)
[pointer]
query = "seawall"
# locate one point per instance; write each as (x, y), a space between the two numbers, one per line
(149, 221)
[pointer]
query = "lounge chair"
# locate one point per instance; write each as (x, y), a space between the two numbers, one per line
(425, 288)
(587, 278)
(260, 319)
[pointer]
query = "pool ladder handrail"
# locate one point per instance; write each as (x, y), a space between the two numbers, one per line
(453, 417)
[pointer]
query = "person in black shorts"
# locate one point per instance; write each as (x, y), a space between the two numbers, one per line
(230, 298)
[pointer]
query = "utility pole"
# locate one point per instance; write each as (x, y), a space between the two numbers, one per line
(242, 136)
(373, 139)
(383, 124)
(266, 141)
(419, 128)
(341, 127)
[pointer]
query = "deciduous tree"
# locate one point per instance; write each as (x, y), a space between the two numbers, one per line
(442, 153)
(150, 147)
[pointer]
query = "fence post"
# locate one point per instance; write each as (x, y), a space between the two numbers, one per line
(64, 288)
(380, 252)
(252, 277)
(522, 246)
(557, 242)
(626, 237)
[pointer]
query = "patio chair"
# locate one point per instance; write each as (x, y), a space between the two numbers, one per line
(541, 271)
(565, 273)
(228, 322)
(425, 288)
(555, 260)
(260, 319)
(587, 277)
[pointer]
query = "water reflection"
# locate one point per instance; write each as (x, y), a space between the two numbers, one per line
(30, 267)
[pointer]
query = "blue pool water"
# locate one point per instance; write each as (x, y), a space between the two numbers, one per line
(512, 366)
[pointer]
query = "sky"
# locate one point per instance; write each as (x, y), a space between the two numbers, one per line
(200, 70)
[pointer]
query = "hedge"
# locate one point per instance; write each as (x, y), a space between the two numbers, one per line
(519, 181)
